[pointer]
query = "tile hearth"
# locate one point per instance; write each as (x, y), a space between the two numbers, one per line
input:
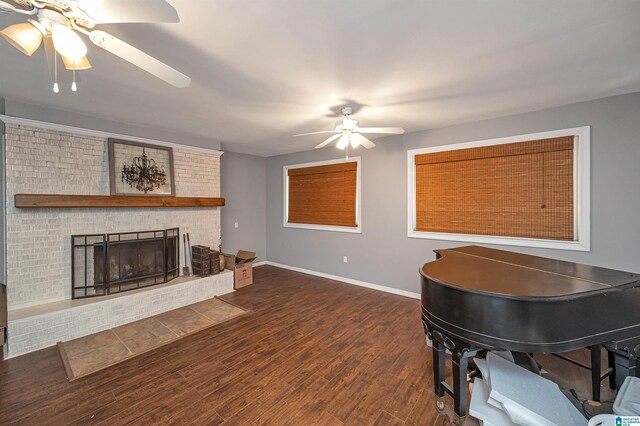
(95, 352)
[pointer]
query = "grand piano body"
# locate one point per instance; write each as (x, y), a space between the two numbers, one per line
(476, 298)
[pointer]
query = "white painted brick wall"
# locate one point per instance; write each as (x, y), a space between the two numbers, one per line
(40, 331)
(38, 240)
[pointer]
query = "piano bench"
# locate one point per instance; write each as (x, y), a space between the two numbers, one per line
(624, 362)
(619, 367)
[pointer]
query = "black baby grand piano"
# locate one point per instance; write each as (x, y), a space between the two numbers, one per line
(476, 298)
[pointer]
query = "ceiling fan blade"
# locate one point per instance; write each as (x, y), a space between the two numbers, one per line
(366, 142)
(390, 130)
(140, 59)
(328, 141)
(128, 11)
(315, 133)
(6, 7)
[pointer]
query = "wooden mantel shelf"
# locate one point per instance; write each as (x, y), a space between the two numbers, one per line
(48, 201)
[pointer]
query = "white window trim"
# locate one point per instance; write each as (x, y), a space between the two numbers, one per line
(348, 229)
(581, 196)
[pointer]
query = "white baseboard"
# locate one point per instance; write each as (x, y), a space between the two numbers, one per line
(263, 262)
(378, 287)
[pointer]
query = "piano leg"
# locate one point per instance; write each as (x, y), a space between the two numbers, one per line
(460, 354)
(460, 365)
(439, 359)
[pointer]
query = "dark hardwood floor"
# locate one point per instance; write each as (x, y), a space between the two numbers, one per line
(313, 352)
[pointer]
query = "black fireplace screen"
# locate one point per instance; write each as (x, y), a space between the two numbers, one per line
(104, 264)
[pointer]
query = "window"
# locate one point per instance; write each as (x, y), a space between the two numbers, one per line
(529, 190)
(323, 195)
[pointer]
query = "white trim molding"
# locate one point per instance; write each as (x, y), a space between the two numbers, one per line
(100, 134)
(582, 191)
(359, 283)
(285, 201)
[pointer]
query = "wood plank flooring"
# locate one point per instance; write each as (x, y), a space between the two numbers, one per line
(313, 352)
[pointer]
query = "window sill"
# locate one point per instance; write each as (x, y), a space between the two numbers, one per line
(346, 229)
(508, 241)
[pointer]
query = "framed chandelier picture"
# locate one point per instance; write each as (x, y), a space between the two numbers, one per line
(140, 169)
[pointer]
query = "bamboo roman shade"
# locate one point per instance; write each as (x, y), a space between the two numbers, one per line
(522, 189)
(323, 195)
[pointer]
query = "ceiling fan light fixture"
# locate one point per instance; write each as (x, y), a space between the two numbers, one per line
(343, 142)
(24, 36)
(39, 26)
(76, 64)
(67, 42)
(355, 140)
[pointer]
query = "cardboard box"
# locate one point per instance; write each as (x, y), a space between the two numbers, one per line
(240, 264)
(243, 276)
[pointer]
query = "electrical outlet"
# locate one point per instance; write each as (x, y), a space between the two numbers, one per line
(344, 259)
(236, 225)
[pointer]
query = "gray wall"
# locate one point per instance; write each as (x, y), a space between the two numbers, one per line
(3, 241)
(242, 183)
(384, 255)
(52, 115)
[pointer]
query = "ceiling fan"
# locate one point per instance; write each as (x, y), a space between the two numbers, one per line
(58, 22)
(348, 133)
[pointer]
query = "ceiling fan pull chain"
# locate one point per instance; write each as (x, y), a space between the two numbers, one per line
(56, 89)
(74, 86)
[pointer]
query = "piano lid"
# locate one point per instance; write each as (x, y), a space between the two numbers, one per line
(519, 275)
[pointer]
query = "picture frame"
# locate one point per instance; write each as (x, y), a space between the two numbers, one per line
(127, 159)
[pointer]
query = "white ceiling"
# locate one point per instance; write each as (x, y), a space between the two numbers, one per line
(264, 70)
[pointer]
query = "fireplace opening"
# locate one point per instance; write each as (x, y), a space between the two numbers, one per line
(105, 264)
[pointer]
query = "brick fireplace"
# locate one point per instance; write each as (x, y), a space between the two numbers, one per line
(104, 264)
(40, 160)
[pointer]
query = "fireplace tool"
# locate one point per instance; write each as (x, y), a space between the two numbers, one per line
(185, 268)
(190, 257)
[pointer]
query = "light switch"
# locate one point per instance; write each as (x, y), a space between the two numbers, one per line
(236, 225)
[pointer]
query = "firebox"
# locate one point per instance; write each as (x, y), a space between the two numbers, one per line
(104, 264)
